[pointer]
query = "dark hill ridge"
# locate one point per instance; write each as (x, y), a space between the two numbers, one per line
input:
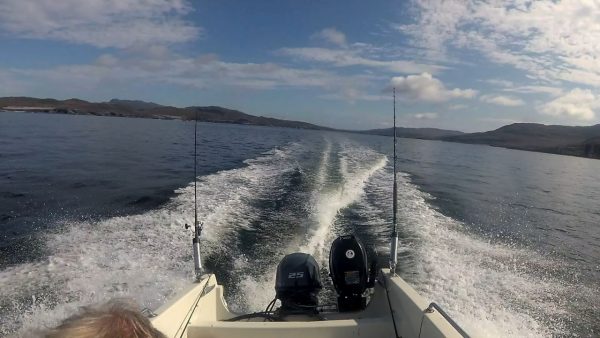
(132, 108)
(564, 140)
(136, 104)
(420, 133)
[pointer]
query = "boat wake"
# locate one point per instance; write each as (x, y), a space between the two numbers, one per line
(145, 257)
(490, 289)
(331, 199)
(340, 181)
(289, 199)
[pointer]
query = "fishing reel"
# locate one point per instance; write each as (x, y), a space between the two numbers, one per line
(197, 230)
(198, 269)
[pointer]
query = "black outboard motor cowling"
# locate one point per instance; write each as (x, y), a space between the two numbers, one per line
(349, 272)
(298, 282)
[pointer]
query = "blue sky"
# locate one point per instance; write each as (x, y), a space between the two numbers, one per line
(466, 65)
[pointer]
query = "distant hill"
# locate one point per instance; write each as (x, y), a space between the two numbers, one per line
(131, 108)
(564, 140)
(420, 133)
(135, 104)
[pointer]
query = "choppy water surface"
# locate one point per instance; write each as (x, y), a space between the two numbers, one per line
(94, 207)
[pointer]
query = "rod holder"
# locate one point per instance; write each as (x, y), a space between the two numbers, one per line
(197, 258)
(394, 254)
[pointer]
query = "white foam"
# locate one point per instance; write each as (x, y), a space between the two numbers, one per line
(486, 287)
(145, 257)
(323, 166)
(329, 196)
(330, 201)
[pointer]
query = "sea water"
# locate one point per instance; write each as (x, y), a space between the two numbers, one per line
(91, 208)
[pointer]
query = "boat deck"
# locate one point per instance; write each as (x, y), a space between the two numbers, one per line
(394, 311)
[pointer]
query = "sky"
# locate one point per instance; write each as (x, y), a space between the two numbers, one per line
(469, 65)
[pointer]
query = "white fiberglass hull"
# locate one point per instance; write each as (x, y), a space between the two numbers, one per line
(396, 310)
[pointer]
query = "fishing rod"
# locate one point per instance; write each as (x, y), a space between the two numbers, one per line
(197, 225)
(394, 239)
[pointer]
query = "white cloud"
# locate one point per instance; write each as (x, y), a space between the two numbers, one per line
(101, 23)
(457, 106)
(108, 60)
(578, 104)
(426, 116)
(553, 91)
(500, 83)
(351, 95)
(333, 36)
(551, 40)
(202, 72)
(348, 57)
(502, 100)
(425, 87)
(509, 86)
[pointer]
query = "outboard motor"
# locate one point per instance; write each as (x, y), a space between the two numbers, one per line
(349, 272)
(298, 283)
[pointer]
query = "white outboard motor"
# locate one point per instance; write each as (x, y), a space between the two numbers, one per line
(298, 283)
(350, 274)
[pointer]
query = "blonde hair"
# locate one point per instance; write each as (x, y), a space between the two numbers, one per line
(119, 318)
